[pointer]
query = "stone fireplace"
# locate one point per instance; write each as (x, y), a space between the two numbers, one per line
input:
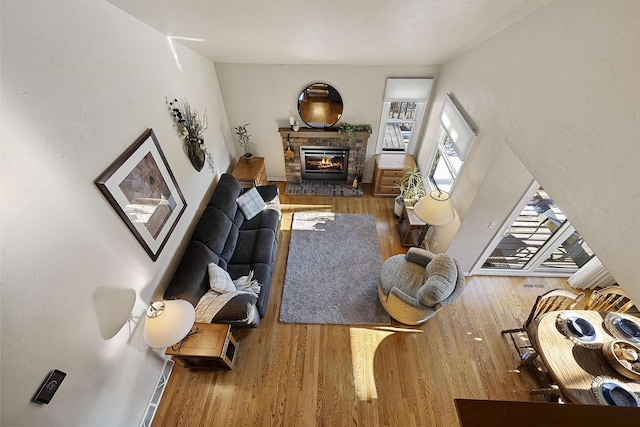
(314, 139)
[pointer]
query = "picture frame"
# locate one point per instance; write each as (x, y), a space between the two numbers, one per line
(143, 191)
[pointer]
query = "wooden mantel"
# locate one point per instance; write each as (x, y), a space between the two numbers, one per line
(317, 133)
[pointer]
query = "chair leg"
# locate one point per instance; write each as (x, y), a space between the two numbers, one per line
(512, 331)
(527, 358)
(551, 393)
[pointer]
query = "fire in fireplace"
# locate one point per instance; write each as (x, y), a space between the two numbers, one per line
(324, 162)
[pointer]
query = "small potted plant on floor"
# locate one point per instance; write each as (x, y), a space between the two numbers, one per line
(411, 189)
(243, 140)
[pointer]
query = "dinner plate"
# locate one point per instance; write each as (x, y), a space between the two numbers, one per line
(617, 396)
(581, 328)
(611, 391)
(623, 326)
(628, 327)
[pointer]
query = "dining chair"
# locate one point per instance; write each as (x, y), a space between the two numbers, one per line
(553, 300)
(612, 298)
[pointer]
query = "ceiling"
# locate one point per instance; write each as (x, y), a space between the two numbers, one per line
(363, 32)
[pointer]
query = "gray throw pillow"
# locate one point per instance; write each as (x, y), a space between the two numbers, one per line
(435, 290)
(251, 203)
(442, 265)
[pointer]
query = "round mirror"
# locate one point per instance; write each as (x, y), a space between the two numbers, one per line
(320, 105)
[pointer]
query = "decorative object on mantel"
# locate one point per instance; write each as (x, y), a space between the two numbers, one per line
(243, 140)
(320, 105)
(289, 153)
(347, 131)
(142, 190)
(191, 128)
(294, 123)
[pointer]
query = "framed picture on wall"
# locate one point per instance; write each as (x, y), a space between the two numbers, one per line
(144, 193)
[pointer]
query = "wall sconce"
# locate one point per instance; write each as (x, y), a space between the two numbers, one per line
(168, 322)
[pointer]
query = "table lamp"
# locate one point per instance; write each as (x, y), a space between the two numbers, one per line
(434, 209)
(168, 322)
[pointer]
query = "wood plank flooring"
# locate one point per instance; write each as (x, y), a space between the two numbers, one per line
(333, 375)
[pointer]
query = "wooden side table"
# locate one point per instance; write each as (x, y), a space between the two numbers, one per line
(388, 171)
(410, 227)
(213, 346)
(251, 174)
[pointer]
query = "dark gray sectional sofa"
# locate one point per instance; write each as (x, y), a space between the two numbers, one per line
(224, 237)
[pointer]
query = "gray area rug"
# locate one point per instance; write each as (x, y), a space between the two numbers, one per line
(332, 271)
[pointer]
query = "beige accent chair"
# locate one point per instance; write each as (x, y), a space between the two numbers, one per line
(414, 287)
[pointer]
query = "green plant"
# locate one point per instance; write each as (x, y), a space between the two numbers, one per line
(412, 184)
(243, 137)
(348, 131)
(191, 127)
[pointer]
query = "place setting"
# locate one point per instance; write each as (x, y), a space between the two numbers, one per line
(579, 330)
(612, 392)
(623, 326)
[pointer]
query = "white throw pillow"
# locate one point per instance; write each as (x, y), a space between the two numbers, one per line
(251, 203)
(219, 279)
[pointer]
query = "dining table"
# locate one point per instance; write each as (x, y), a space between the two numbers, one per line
(574, 367)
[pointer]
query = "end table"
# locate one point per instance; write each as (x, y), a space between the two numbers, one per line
(213, 346)
(410, 227)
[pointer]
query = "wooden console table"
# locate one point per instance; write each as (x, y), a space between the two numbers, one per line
(213, 346)
(251, 174)
(388, 171)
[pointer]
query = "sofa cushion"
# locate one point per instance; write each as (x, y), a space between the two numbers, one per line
(190, 280)
(219, 279)
(444, 266)
(269, 218)
(239, 307)
(262, 273)
(225, 194)
(268, 192)
(435, 289)
(230, 243)
(251, 203)
(254, 246)
(213, 229)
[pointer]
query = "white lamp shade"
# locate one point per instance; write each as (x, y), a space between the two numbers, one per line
(435, 209)
(168, 322)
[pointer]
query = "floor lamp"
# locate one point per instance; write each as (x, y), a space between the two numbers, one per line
(434, 209)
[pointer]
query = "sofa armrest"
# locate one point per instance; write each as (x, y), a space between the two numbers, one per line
(419, 256)
(268, 192)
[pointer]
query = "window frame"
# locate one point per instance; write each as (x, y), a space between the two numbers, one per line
(417, 122)
(440, 152)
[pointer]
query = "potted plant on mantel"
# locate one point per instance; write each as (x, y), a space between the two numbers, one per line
(411, 190)
(243, 140)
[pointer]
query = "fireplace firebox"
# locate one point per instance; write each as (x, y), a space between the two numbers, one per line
(324, 162)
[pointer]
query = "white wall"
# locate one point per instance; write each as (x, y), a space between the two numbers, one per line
(561, 88)
(263, 95)
(81, 80)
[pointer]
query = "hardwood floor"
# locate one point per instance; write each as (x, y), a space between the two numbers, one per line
(333, 375)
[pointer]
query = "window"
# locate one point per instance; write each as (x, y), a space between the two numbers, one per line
(400, 122)
(405, 101)
(446, 164)
(454, 142)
